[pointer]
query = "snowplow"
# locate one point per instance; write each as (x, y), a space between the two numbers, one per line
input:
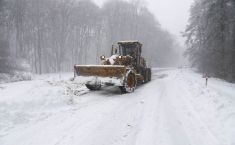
(125, 68)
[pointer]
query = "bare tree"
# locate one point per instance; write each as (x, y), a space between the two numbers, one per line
(52, 35)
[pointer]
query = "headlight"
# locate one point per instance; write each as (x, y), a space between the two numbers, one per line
(102, 57)
(120, 57)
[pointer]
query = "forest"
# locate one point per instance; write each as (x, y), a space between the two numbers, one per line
(211, 38)
(50, 36)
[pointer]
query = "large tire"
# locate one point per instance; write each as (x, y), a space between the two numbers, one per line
(147, 77)
(94, 87)
(129, 83)
(150, 74)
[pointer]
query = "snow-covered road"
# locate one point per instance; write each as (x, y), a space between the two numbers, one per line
(175, 108)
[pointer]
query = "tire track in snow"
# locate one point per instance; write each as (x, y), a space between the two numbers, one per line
(148, 126)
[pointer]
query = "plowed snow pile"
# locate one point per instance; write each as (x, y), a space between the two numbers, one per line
(175, 108)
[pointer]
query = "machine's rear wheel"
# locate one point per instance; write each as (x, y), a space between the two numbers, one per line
(147, 76)
(129, 84)
(93, 87)
(150, 74)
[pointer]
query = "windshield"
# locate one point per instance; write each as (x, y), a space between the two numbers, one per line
(127, 50)
(115, 51)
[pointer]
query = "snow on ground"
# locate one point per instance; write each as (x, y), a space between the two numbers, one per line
(175, 108)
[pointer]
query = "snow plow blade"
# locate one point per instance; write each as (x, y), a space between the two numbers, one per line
(100, 70)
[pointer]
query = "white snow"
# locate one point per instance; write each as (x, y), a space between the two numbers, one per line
(16, 76)
(112, 59)
(175, 108)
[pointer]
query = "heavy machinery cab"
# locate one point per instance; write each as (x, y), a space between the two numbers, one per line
(133, 49)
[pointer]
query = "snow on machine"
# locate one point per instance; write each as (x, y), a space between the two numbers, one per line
(125, 68)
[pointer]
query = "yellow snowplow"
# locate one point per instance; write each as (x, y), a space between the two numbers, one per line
(125, 68)
(100, 70)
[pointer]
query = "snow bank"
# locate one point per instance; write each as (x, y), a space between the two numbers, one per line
(214, 103)
(15, 70)
(31, 101)
(17, 76)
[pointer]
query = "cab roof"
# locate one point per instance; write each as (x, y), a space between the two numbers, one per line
(129, 42)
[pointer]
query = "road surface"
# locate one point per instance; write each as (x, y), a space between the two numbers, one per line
(175, 108)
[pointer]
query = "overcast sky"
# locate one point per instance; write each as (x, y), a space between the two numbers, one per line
(172, 14)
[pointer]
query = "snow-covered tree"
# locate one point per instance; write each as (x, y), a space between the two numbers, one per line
(210, 37)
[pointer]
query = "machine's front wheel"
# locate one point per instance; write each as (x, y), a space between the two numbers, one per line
(130, 83)
(94, 87)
